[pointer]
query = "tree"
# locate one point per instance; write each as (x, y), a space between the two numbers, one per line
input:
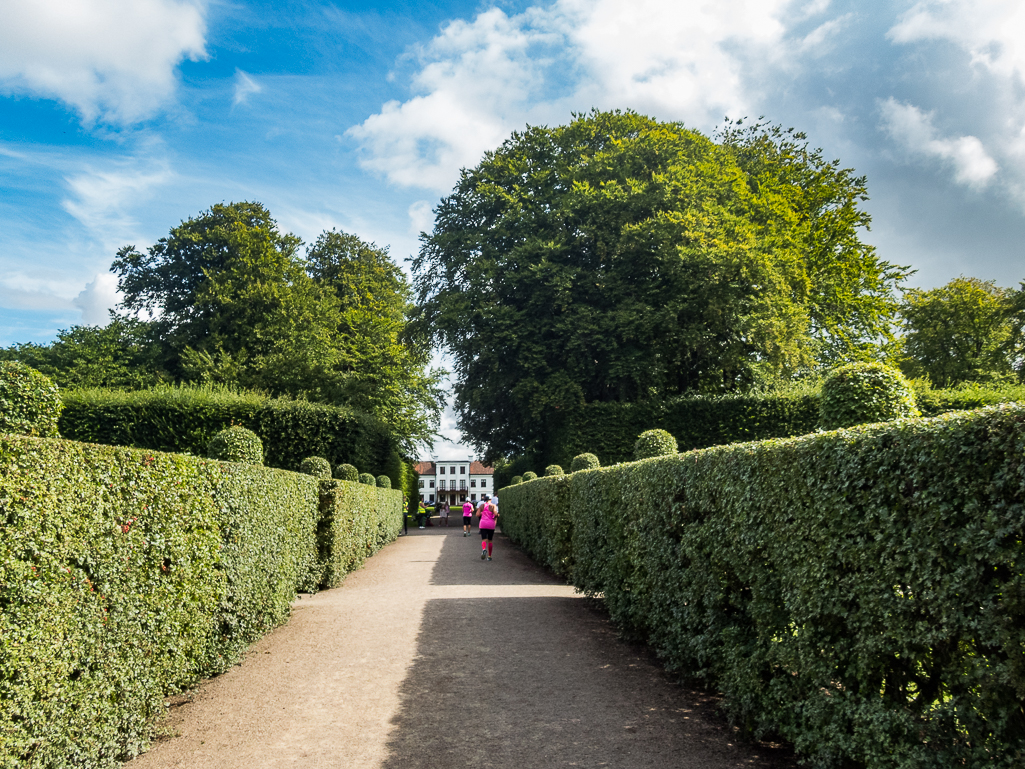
(960, 332)
(623, 259)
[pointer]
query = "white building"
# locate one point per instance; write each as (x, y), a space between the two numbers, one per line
(454, 481)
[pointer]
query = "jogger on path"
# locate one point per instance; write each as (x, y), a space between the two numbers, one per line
(467, 517)
(488, 519)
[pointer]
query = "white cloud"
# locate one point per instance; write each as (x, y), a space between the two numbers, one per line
(245, 87)
(913, 130)
(991, 31)
(421, 217)
(111, 60)
(479, 80)
(99, 296)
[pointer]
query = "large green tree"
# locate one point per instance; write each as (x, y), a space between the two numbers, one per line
(620, 258)
(960, 332)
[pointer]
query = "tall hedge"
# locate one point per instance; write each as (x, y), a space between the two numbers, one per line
(356, 521)
(859, 592)
(126, 575)
(184, 419)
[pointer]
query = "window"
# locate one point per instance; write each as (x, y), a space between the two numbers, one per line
(452, 470)
(462, 471)
(462, 497)
(441, 470)
(473, 483)
(473, 497)
(421, 484)
(483, 483)
(432, 498)
(432, 486)
(441, 485)
(462, 484)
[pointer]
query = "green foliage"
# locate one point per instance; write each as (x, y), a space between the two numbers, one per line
(346, 472)
(529, 475)
(368, 479)
(654, 443)
(29, 401)
(383, 482)
(184, 419)
(516, 479)
(553, 470)
(958, 333)
(585, 461)
(857, 593)
(356, 521)
(865, 392)
(627, 260)
(236, 444)
(318, 467)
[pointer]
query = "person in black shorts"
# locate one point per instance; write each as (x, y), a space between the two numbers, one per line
(467, 518)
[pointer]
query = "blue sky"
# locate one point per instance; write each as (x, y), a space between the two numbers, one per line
(120, 118)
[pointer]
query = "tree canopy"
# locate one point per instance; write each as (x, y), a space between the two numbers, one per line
(619, 258)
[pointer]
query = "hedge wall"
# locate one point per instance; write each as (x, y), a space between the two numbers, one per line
(184, 419)
(860, 592)
(127, 575)
(356, 521)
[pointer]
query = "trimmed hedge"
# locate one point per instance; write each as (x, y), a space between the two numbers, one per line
(554, 470)
(347, 473)
(865, 392)
(530, 475)
(318, 467)
(859, 592)
(236, 444)
(127, 575)
(368, 479)
(654, 443)
(586, 461)
(30, 403)
(383, 482)
(184, 419)
(357, 520)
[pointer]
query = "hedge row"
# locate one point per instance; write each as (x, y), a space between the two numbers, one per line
(184, 419)
(860, 592)
(127, 575)
(610, 429)
(356, 521)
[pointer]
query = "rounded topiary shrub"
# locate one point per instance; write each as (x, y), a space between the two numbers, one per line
(865, 392)
(30, 403)
(236, 444)
(553, 470)
(529, 475)
(383, 482)
(516, 480)
(347, 473)
(368, 479)
(584, 462)
(654, 443)
(318, 467)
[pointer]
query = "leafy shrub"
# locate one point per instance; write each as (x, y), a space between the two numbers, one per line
(30, 403)
(865, 392)
(584, 462)
(516, 479)
(368, 479)
(554, 470)
(318, 467)
(857, 593)
(383, 482)
(236, 444)
(654, 443)
(356, 521)
(347, 473)
(529, 475)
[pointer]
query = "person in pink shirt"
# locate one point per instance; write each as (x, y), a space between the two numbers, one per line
(488, 518)
(467, 517)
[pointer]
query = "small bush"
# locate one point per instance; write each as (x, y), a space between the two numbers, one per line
(30, 403)
(554, 470)
(529, 475)
(865, 392)
(347, 473)
(318, 467)
(236, 444)
(654, 443)
(516, 480)
(383, 482)
(368, 479)
(584, 462)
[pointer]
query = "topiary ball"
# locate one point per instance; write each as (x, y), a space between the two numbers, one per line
(236, 444)
(529, 475)
(347, 473)
(516, 480)
(383, 482)
(30, 403)
(318, 467)
(865, 392)
(553, 470)
(654, 443)
(584, 462)
(368, 479)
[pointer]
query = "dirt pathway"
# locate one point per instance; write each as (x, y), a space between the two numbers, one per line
(430, 657)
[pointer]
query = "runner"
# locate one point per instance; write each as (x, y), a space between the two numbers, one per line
(488, 518)
(444, 513)
(467, 517)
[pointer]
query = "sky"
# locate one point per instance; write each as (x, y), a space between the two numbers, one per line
(121, 118)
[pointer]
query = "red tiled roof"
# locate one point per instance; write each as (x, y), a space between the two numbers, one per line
(425, 468)
(476, 468)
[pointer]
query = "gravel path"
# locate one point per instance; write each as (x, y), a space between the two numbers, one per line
(430, 657)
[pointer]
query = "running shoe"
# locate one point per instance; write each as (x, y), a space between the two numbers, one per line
(489, 557)
(483, 554)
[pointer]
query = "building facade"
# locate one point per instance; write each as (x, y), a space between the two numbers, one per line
(454, 481)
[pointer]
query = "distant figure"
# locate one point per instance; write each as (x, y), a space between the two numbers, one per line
(467, 517)
(488, 518)
(421, 515)
(443, 512)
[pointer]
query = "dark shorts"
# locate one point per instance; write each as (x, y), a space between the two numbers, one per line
(487, 534)
(467, 520)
